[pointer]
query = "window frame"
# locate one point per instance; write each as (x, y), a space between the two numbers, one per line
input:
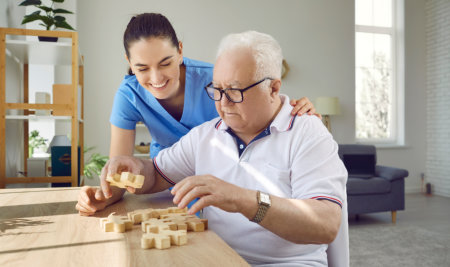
(396, 31)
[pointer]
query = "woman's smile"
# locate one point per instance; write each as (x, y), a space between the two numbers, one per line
(159, 86)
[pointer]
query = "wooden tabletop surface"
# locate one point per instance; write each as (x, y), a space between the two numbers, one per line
(40, 227)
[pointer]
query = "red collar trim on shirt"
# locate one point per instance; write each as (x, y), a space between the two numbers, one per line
(218, 124)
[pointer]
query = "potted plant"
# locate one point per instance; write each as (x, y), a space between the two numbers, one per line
(51, 19)
(94, 164)
(35, 141)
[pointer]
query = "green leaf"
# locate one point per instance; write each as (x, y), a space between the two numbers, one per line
(47, 20)
(30, 3)
(32, 17)
(95, 164)
(64, 25)
(57, 1)
(62, 11)
(59, 19)
(45, 8)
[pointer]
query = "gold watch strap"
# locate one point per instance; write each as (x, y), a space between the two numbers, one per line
(262, 209)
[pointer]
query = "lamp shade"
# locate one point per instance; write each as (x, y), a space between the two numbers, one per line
(327, 105)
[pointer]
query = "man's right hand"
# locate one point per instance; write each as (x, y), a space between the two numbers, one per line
(90, 200)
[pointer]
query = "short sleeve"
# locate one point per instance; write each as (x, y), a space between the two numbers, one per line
(182, 155)
(124, 113)
(317, 171)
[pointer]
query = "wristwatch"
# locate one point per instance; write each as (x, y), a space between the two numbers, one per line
(264, 204)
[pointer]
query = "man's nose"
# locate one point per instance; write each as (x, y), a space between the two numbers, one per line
(225, 101)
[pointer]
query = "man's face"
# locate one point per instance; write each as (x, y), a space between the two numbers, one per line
(236, 69)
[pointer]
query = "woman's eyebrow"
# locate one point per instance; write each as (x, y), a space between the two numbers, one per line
(166, 58)
(145, 65)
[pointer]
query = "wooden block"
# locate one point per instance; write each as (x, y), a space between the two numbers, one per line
(177, 210)
(157, 225)
(164, 239)
(62, 94)
(178, 237)
(125, 179)
(192, 222)
(115, 223)
(141, 215)
(152, 240)
(138, 216)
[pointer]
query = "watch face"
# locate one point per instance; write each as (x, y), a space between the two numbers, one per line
(265, 198)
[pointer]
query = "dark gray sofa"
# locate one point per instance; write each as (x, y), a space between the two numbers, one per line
(371, 187)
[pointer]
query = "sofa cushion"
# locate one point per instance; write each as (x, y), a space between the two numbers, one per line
(374, 185)
(360, 165)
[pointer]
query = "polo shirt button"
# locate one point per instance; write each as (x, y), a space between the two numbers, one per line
(241, 146)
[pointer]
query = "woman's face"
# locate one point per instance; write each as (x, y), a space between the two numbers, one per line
(156, 64)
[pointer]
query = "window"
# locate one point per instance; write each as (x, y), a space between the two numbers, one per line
(379, 71)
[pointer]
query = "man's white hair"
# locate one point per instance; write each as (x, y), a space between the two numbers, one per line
(265, 49)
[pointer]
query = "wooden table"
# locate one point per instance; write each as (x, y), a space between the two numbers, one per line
(40, 227)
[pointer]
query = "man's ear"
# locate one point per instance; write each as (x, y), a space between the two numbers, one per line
(275, 87)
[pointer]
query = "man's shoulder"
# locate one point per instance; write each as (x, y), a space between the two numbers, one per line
(308, 126)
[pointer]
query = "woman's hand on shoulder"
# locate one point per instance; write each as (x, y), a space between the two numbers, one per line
(303, 106)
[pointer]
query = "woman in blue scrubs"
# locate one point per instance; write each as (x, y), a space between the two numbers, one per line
(164, 90)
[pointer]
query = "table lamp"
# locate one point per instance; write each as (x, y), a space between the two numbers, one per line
(327, 106)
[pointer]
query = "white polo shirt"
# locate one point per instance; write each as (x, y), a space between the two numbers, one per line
(295, 158)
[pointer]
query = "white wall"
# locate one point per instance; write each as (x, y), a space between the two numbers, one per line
(412, 156)
(438, 96)
(317, 37)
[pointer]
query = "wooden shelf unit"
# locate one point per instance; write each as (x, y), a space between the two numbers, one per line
(33, 52)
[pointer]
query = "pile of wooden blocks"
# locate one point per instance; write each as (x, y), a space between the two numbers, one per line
(161, 227)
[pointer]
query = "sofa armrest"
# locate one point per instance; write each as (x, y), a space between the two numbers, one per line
(390, 173)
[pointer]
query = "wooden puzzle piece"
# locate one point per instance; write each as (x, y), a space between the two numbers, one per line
(164, 239)
(138, 216)
(141, 215)
(192, 222)
(158, 225)
(125, 179)
(115, 223)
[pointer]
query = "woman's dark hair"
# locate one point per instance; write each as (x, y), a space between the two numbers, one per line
(148, 25)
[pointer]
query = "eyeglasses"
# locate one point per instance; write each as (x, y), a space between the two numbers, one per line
(233, 94)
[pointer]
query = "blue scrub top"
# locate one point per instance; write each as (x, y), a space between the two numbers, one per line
(133, 103)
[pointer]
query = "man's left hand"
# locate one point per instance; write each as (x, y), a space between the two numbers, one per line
(210, 190)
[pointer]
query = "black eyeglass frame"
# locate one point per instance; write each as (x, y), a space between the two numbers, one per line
(224, 91)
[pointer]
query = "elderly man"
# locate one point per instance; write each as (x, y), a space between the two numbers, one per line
(270, 184)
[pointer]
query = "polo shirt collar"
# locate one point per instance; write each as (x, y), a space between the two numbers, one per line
(283, 121)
